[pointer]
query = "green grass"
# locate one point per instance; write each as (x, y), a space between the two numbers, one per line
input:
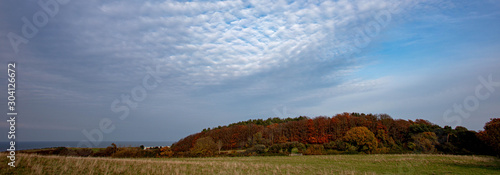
(328, 164)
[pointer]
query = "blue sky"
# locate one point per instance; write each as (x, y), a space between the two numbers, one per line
(226, 61)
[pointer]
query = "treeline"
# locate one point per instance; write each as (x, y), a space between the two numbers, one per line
(262, 122)
(110, 151)
(343, 133)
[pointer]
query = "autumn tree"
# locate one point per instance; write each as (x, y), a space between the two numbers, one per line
(282, 139)
(385, 141)
(491, 135)
(362, 138)
(166, 152)
(204, 146)
(311, 132)
(185, 144)
(399, 131)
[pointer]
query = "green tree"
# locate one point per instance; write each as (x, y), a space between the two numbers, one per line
(361, 138)
(425, 142)
(257, 138)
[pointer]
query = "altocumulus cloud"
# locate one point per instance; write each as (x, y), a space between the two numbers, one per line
(205, 43)
(198, 43)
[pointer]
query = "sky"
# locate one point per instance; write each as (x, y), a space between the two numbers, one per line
(161, 70)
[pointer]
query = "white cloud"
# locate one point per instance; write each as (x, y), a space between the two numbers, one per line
(212, 41)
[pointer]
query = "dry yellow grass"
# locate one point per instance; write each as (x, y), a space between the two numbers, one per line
(335, 164)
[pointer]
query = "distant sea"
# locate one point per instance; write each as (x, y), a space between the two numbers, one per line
(24, 145)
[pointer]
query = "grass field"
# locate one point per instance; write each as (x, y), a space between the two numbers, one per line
(328, 164)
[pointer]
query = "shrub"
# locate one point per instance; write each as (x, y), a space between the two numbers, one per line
(276, 148)
(256, 149)
(352, 149)
(84, 152)
(110, 150)
(329, 145)
(60, 150)
(150, 153)
(285, 148)
(315, 150)
(290, 145)
(337, 145)
(333, 152)
(128, 152)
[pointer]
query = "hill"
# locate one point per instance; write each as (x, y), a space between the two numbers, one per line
(343, 133)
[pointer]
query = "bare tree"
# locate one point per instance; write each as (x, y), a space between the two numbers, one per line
(219, 145)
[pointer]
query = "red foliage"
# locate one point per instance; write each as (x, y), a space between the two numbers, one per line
(491, 134)
(319, 130)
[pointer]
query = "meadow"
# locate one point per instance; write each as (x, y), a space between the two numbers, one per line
(324, 164)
